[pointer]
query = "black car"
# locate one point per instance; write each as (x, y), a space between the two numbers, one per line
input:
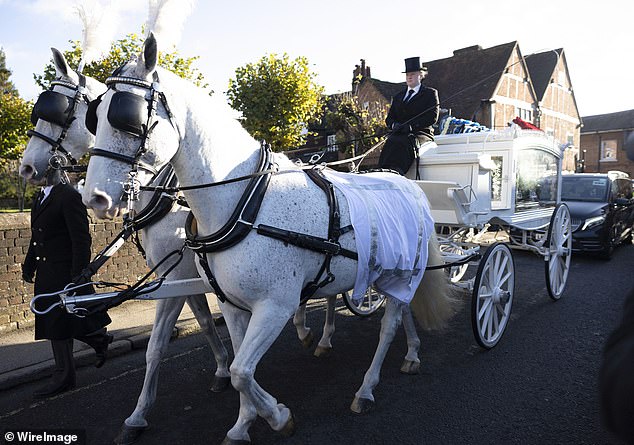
(602, 210)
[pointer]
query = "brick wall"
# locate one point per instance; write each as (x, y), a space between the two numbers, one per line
(126, 266)
(591, 143)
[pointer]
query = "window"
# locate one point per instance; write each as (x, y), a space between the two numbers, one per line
(561, 78)
(570, 139)
(524, 114)
(536, 180)
(331, 142)
(608, 150)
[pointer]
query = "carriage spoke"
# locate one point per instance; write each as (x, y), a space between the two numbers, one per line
(485, 306)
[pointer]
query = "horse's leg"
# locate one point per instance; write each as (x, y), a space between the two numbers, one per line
(237, 321)
(411, 363)
(167, 311)
(200, 308)
(364, 399)
(325, 346)
(303, 332)
(267, 321)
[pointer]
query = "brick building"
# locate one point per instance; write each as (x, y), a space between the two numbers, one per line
(606, 140)
(492, 86)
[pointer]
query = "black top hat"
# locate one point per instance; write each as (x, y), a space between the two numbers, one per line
(412, 64)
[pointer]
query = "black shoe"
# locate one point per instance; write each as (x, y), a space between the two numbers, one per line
(54, 388)
(101, 350)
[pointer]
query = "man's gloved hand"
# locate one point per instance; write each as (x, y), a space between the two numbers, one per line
(27, 275)
(401, 128)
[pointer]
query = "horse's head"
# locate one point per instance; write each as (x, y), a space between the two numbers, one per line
(135, 134)
(60, 136)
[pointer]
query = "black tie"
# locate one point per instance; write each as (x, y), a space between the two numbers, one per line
(410, 93)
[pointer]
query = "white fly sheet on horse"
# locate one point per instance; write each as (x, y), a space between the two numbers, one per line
(387, 212)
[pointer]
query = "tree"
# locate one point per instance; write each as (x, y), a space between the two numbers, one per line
(121, 52)
(277, 97)
(6, 86)
(15, 120)
(356, 128)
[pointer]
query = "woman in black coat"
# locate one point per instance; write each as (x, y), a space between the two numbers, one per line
(58, 251)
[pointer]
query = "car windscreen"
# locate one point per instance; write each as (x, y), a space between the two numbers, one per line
(580, 188)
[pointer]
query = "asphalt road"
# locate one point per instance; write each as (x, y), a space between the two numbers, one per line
(538, 386)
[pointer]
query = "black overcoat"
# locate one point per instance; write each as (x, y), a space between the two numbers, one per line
(407, 119)
(419, 114)
(58, 251)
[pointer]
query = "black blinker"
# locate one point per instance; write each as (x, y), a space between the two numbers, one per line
(52, 107)
(128, 113)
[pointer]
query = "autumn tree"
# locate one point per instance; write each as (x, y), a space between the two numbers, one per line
(357, 128)
(277, 97)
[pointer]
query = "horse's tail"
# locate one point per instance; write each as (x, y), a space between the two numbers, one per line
(434, 302)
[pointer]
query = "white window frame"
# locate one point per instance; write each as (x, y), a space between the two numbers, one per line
(331, 142)
(606, 151)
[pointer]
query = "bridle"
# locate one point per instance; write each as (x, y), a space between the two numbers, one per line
(58, 108)
(125, 113)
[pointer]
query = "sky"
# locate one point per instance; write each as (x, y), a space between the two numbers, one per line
(334, 35)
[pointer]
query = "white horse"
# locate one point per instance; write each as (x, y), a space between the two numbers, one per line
(260, 277)
(163, 236)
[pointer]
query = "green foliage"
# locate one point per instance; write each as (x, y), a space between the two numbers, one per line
(15, 192)
(278, 98)
(15, 120)
(122, 51)
(6, 86)
(357, 128)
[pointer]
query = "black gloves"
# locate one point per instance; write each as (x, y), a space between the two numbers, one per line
(27, 275)
(401, 128)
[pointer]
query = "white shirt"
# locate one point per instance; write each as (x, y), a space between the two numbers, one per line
(46, 191)
(416, 89)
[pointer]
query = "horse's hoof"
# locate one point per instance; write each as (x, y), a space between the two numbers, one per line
(229, 441)
(308, 341)
(289, 429)
(361, 406)
(321, 351)
(410, 367)
(129, 434)
(219, 384)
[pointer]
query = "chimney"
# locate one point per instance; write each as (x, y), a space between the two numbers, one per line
(360, 72)
(467, 50)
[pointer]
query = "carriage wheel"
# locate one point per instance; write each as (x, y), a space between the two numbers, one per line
(368, 305)
(492, 298)
(559, 251)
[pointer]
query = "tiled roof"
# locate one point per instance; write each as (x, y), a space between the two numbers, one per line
(470, 75)
(541, 67)
(621, 120)
(387, 89)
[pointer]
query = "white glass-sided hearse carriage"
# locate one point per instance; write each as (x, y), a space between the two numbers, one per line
(497, 185)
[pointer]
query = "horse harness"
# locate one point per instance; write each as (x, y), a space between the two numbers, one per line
(160, 204)
(131, 114)
(242, 221)
(135, 115)
(59, 109)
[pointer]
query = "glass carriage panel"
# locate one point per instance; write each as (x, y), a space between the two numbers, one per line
(536, 179)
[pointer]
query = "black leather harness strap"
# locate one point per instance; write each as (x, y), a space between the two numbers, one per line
(330, 247)
(241, 220)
